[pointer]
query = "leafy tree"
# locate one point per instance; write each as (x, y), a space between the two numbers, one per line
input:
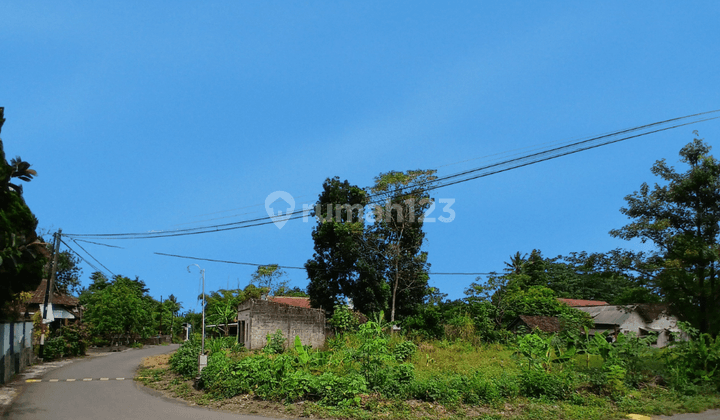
(67, 277)
(294, 292)
(270, 277)
(530, 286)
(119, 307)
(22, 253)
(221, 305)
(682, 218)
(609, 277)
(340, 268)
(397, 236)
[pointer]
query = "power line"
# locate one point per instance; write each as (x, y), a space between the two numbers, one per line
(80, 256)
(227, 262)
(97, 243)
(437, 183)
(288, 267)
(89, 254)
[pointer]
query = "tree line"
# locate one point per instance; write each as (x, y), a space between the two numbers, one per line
(381, 266)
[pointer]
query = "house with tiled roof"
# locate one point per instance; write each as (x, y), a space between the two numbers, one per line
(292, 315)
(65, 308)
(548, 324)
(300, 302)
(581, 302)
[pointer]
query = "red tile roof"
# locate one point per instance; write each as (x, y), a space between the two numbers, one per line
(302, 302)
(581, 302)
(549, 324)
(58, 298)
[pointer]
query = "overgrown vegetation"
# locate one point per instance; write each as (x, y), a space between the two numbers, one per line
(371, 372)
(68, 340)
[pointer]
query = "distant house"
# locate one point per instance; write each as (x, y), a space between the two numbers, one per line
(293, 316)
(548, 324)
(65, 309)
(641, 319)
(300, 302)
(581, 302)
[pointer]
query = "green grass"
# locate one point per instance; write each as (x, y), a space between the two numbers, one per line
(454, 363)
(440, 357)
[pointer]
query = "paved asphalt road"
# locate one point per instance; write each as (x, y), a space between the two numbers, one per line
(104, 399)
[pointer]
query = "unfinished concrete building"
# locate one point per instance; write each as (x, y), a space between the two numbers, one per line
(257, 318)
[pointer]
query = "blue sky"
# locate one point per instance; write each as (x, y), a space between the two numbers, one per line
(169, 115)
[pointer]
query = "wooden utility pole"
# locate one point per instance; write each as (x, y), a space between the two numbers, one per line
(49, 287)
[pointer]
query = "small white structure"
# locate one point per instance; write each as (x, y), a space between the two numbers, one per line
(640, 319)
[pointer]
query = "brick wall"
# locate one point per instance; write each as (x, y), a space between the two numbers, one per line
(262, 317)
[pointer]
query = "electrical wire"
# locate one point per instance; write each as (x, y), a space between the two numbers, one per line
(80, 256)
(97, 243)
(288, 267)
(90, 255)
(439, 182)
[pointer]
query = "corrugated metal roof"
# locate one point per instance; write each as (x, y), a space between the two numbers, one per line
(608, 314)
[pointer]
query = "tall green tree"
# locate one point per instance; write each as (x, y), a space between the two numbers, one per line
(399, 236)
(681, 217)
(270, 277)
(340, 268)
(22, 253)
(119, 307)
(68, 274)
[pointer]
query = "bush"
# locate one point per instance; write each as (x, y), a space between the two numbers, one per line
(68, 340)
(344, 319)
(434, 389)
(694, 363)
(404, 350)
(340, 390)
(538, 383)
(275, 343)
(482, 389)
(185, 360)
(54, 348)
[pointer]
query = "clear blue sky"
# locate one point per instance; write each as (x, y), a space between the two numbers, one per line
(168, 115)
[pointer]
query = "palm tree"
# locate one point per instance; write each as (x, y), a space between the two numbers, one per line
(516, 263)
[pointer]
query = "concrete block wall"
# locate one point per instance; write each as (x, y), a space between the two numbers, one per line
(16, 351)
(262, 317)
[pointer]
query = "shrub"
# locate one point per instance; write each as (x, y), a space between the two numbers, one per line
(538, 383)
(481, 389)
(185, 360)
(340, 390)
(404, 350)
(434, 389)
(508, 386)
(344, 319)
(55, 348)
(694, 362)
(275, 343)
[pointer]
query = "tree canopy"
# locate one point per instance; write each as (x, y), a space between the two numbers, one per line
(22, 253)
(681, 217)
(119, 307)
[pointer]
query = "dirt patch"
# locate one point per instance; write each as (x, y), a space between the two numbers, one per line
(156, 362)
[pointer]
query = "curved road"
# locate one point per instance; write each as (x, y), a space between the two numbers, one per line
(109, 398)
